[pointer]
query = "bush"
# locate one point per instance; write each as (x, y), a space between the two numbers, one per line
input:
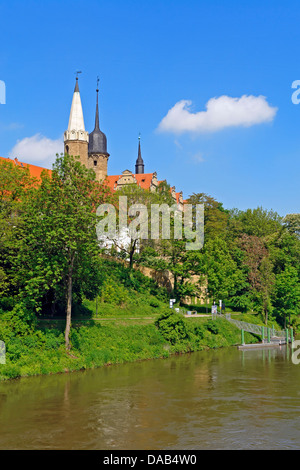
(172, 326)
(199, 331)
(20, 320)
(154, 303)
(213, 327)
(114, 293)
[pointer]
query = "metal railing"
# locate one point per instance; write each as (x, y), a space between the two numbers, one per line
(259, 330)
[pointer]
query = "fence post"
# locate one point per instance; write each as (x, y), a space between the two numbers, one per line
(243, 338)
(269, 335)
(292, 335)
(263, 333)
(287, 335)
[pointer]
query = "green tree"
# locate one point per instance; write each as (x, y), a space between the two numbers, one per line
(15, 185)
(61, 247)
(215, 216)
(266, 288)
(287, 294)
(292, 223)
(223, 276)
(259, 269)
(257, 222)
(126, 242)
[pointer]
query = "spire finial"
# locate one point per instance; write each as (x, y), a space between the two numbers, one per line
(76, 85)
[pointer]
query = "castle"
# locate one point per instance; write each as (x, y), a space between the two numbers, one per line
(92, 150)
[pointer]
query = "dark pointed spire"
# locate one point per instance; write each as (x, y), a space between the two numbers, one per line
(97, 139)
(139, 166)
(97, 108)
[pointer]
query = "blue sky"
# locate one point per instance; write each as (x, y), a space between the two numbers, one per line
(151, 55)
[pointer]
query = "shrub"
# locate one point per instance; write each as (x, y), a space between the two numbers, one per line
(213, 327)
(154, 303)
(114, 293)
(20, 320)
(199, 331)
(172, 326)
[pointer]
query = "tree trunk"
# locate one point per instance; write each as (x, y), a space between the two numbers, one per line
(69, 305)
(266, 316)
(132, 250)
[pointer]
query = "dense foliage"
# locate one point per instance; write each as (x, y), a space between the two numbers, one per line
(250, 260)
(51, 265)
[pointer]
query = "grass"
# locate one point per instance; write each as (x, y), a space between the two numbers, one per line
(130, 321)
(102, 343)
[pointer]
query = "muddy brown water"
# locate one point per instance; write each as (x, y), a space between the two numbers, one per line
(219, 399)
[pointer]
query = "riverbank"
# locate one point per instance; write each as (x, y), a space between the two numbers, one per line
(100, 343)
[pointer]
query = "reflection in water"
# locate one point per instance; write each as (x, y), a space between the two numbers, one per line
(225, 399)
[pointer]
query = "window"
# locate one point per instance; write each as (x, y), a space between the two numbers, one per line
(95, 162)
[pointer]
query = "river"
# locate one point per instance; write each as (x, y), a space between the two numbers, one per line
(218, 399)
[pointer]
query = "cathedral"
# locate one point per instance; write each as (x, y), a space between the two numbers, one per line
(92, 150)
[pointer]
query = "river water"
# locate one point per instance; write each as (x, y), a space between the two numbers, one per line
(219, 399)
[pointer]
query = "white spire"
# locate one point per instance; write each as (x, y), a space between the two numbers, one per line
(76, 129)
(76, 122)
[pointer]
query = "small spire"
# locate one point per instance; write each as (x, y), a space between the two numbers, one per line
(139, 166)
(139, 152)
(97, 107)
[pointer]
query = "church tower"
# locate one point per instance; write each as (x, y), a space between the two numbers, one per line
(139, 165)
(97, 148)
(76, 138)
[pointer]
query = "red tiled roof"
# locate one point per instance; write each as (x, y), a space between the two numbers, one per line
(143, 180)
(35, 171)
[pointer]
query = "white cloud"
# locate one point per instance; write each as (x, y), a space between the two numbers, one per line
(37, 148)
(221, 113)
